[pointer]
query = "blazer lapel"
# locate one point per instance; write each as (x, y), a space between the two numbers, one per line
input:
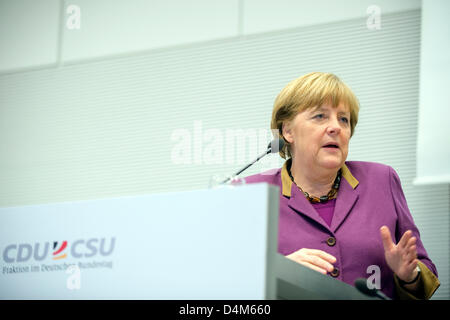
(346, 199)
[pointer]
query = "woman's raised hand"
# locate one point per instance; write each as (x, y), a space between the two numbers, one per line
(400, 257)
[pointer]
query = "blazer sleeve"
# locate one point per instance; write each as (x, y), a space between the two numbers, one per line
(428, 284)
(429, 275)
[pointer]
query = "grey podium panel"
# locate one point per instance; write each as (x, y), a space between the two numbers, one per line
(206, 244)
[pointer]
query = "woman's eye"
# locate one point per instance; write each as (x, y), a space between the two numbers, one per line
(318, 116)
(344, 119)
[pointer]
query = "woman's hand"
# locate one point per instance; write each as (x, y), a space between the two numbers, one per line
(401, 258)
(317, 260)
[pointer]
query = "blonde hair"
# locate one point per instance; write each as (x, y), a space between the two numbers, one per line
(310, 91)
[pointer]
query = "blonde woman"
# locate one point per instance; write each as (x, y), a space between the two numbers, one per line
(340, 217)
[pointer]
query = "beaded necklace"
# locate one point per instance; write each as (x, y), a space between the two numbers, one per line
(330, 195)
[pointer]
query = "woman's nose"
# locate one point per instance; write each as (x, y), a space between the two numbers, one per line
(333, 127)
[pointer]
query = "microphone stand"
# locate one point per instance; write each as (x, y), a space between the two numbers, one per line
(247, 166)
(274, 146)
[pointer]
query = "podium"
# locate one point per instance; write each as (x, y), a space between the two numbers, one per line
(206, 244)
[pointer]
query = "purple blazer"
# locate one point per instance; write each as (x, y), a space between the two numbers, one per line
(370, 196)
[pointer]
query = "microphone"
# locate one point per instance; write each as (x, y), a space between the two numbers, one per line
(274, 147)
(361, 285)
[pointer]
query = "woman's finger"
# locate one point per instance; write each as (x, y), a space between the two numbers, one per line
(314, 257)
(414, 264)
(413, 249)
(411, 266)
(411, 242)
(412, 253)
(405, 238)
(319, 262)
(324, 255)
(314, 267)
(388, 244)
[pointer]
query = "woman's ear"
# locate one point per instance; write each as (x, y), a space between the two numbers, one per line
(286, 131)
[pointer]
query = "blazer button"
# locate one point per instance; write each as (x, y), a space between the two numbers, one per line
(335, 273)
(331, 241)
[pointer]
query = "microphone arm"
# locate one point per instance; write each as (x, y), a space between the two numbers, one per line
(273, 147)
(246, 167)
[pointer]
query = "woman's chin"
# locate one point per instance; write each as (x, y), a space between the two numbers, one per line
(331, 164)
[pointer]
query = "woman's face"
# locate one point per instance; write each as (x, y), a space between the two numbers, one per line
(313, 132)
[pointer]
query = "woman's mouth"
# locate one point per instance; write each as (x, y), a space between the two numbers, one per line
(331, 146)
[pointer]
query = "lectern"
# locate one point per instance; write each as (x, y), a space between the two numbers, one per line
(206, 244)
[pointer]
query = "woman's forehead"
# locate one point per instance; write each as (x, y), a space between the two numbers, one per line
(341, 107)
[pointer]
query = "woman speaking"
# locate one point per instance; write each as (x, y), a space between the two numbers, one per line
(347, 219)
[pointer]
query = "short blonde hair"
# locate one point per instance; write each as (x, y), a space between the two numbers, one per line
(310, 91)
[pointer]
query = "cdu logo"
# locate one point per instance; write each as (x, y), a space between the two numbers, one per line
(81, 248)
(60, 250)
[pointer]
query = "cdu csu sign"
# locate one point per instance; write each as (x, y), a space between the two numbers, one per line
(82, 248)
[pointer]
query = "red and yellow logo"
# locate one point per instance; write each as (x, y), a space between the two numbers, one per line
(60, 250)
